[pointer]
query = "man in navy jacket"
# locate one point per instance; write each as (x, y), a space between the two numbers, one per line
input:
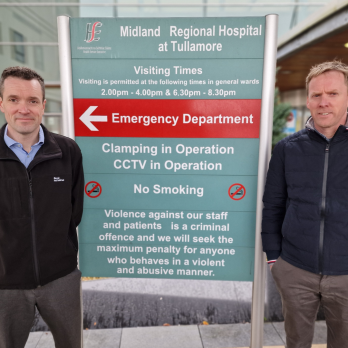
(305, 217)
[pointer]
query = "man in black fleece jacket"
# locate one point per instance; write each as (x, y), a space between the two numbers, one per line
(41, 201)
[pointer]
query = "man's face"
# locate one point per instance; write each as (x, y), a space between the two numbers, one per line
(328, 101)
(22, 105)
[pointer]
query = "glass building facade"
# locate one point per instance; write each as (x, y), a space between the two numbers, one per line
(28, 31)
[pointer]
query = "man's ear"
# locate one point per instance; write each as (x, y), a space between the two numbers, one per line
(44, 104)
(1, 107)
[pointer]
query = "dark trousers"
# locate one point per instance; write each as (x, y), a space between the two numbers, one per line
(301, 293)
(59, 304)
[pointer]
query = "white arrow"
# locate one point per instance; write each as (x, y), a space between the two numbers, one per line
(86, 118)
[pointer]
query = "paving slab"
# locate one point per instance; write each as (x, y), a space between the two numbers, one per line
(85, 336)
(228, 335)
(270, 336)
(320, 331)
(46, 341)
(33, 339)
(313, 346)
(190, 336)
(161, 337)
(279, 327)
(105, 338)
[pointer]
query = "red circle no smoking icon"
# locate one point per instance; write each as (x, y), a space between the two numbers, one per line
(93, 189)
(236, 192)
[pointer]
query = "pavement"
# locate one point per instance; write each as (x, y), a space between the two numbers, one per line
(181, 336)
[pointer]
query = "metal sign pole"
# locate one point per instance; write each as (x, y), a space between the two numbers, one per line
(66, 76)
(68, 128)
(269, 70)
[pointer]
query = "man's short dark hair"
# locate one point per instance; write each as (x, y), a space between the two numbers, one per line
(21, 73)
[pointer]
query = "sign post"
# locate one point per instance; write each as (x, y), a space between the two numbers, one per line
(167, 113)
(258, 299)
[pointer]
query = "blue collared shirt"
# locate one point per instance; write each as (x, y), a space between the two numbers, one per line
(17, 148)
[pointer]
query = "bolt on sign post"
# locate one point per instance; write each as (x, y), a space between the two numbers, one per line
(167, 113)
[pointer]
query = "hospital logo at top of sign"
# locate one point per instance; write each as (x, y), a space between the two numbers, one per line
(91, 32)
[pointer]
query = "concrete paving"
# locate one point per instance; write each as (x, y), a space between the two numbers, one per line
(184, 336)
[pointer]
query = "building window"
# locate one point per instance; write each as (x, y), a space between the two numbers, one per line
(1, 52)
(18, 50)
(38, 57)
(2, 119)
(53, 106)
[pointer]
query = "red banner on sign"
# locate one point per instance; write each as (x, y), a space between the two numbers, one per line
(167, 118)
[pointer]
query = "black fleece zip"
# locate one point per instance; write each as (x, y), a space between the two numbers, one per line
(322, 210)
(38, 215)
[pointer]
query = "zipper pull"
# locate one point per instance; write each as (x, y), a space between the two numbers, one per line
(31, 188)
(327, 148)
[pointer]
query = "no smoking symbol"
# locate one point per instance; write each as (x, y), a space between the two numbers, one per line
(93, 189)
(236, 192)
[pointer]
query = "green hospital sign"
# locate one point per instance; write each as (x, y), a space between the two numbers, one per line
(167, 115)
